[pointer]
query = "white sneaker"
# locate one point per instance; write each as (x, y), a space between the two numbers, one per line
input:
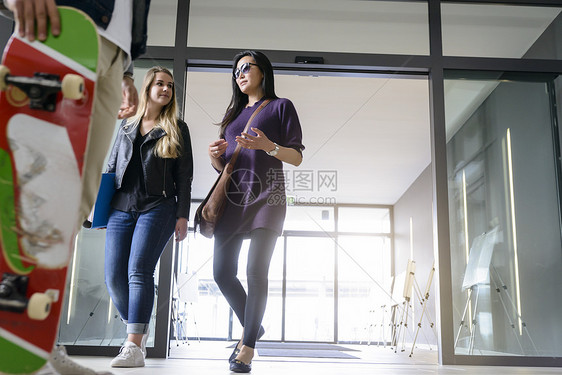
(130, 355)
(60, 363)
(47, 370)
(143, 342)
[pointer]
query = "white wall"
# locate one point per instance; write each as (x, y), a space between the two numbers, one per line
(416, 203)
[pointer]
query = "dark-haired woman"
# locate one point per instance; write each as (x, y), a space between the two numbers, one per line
(256, 199)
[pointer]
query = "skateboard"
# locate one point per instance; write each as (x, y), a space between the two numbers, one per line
(46, 98)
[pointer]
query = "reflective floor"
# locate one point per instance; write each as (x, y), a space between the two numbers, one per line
(210, 358)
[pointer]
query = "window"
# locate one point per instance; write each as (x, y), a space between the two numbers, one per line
(504, 203)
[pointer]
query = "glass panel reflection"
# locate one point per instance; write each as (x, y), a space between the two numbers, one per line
(162, 23)
(295, 25)
(511, 31)
(201, 310)
(504, 203)
(88, 317)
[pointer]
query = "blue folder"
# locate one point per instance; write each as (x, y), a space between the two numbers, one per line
(103, 201)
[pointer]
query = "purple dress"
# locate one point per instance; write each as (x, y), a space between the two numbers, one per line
(256, 196)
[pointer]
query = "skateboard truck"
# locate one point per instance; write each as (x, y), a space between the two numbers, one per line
(12, 292)
(13, 289)
(42, 88)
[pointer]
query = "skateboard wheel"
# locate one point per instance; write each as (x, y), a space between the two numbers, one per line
(4, 71)
(39, 306)
(73, 86)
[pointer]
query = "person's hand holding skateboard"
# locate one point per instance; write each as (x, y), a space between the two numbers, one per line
(34, 16)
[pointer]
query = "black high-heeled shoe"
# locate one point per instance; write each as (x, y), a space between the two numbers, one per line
(236, 350)
(239, 366)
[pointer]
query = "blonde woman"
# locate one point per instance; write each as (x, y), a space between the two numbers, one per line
(153, 166)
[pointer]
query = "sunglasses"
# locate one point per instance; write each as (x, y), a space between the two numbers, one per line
(244, 68)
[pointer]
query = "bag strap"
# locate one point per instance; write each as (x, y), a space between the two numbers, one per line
(232, 161)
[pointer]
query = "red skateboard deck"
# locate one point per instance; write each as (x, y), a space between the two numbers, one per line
(46, 98)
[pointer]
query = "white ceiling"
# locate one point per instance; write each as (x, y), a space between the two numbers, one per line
(373, 131)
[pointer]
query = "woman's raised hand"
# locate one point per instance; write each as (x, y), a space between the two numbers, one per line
(217, 148)
(255, 142)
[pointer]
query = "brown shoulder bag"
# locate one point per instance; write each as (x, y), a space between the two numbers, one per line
(211, 209)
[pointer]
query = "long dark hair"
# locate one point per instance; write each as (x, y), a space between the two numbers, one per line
(239, 99)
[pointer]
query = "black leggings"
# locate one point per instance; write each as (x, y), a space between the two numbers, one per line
(249, 309)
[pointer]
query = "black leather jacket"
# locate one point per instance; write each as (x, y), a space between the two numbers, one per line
(167, 177)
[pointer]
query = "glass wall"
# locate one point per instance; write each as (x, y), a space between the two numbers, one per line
(162, 22)
(88, 316)
(504, 213)
(296, 25)
(500, 30)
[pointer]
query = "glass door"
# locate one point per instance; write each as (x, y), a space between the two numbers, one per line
(503, 159)
(303, 283)
(309, 306)
(364, 289)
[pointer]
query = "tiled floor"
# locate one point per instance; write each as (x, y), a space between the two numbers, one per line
(209, 358)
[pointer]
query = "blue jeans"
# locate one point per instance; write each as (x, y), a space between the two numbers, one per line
(134, 242)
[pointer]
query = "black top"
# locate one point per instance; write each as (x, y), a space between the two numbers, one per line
(132, 195)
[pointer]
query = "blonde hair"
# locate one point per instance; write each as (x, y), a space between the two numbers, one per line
(169, 146)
